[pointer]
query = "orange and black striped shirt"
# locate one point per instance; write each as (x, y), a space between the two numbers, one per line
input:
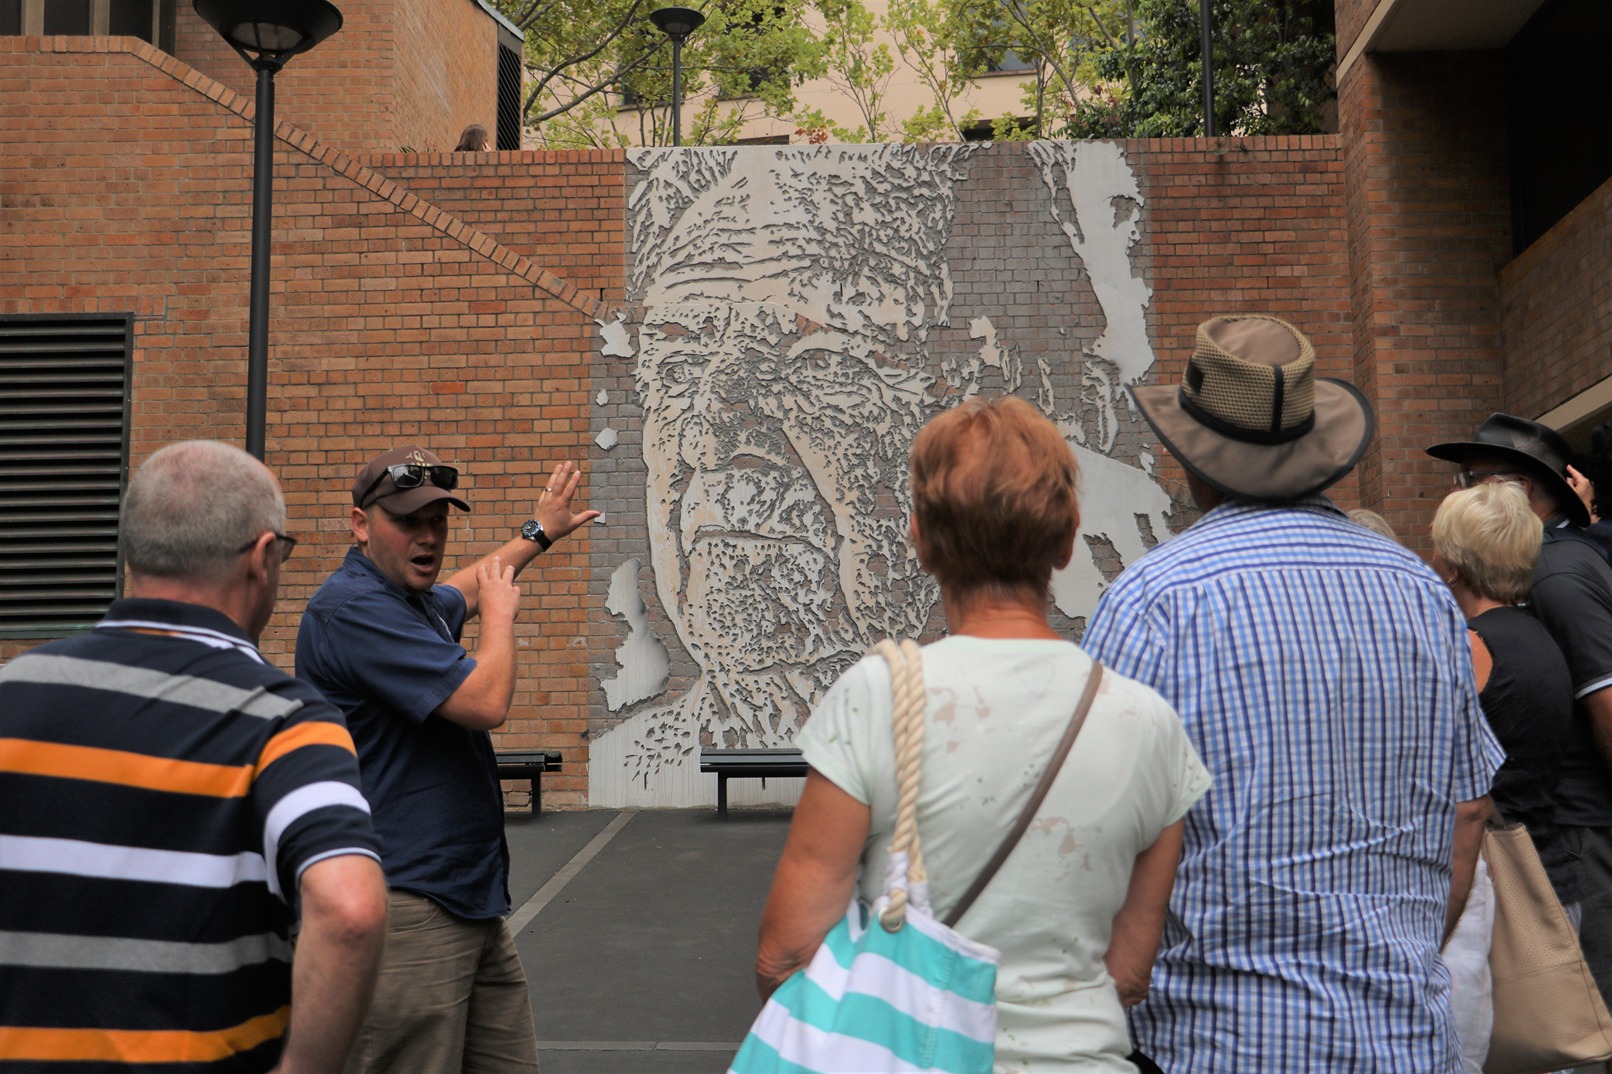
(162, 790)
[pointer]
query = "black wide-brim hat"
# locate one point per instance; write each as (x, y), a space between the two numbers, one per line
(1537, 450)
(1252, 420)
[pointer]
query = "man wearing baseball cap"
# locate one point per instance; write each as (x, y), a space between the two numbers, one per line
(1571, 595)
(1322, 672)
(380, 639)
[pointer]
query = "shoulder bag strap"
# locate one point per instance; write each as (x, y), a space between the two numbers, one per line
(1036, 797)
(907, 701)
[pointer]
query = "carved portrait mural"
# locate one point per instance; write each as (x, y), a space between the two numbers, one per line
(793, 319)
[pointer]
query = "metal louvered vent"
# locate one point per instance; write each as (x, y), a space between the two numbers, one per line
(64, 388)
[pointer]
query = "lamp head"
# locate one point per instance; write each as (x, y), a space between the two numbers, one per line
(676, 22)
(267, 33)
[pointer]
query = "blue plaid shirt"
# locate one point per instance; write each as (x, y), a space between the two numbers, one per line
(1324, 675)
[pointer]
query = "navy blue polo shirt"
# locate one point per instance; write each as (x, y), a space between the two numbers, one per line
(387, 658)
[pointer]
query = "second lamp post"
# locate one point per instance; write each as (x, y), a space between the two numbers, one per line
(677, 23)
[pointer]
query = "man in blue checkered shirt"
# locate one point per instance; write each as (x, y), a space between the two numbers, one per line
(1323, 673)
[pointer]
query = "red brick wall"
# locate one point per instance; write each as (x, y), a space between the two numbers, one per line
(399, 73)
(392, 321)
(1429, 228)
(1352, 16)
(452, 300)
(1556, 310)
(526, 202)
(1245, 225)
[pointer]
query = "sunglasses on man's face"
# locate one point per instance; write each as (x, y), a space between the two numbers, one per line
(288, 544)
(1467, 479)
(411, 475)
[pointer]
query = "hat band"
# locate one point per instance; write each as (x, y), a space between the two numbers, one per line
(1237, 432)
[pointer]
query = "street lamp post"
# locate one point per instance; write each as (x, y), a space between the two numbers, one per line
(1207, 44)
(266, 33)
(677, 23)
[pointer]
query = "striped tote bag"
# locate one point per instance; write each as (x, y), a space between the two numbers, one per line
(891, 990)
(872, 1001)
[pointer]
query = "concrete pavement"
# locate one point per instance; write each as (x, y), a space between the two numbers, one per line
(638, 933)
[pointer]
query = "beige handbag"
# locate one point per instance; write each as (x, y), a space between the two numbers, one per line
(1548, 1013)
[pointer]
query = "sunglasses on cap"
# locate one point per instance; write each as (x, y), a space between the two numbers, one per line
(411, 475)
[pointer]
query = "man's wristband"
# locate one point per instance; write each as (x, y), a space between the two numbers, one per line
(533, 531)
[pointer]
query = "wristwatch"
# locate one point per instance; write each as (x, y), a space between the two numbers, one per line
(533, 531)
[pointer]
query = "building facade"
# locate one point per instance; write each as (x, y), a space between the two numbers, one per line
(737, 343)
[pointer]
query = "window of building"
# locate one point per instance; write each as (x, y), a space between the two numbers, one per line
(1008, 62)
(64, 451)
(987, 56)
(1559, 130)
(510, 100)
(149, 20)
(754, 77)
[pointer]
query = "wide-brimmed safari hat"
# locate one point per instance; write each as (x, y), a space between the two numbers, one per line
(1537, 450)
(1252, 419)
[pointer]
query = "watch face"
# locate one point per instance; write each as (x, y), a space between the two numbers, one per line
(532, 530)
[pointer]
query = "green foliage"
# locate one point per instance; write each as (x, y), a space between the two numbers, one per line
(1062, 41)
(599, 73)
(586, 59)
(858, 65)
(1271, 70)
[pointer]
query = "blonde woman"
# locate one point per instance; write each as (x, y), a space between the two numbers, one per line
(1485, 543)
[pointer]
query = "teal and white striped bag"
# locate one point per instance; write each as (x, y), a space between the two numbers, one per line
(891, 989)
(921, 998)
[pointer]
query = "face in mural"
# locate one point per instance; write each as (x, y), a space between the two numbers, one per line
(776, 448)
(782, 373)
(792, 325)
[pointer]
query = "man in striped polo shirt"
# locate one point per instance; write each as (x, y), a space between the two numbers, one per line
(1323, 674)
(167, 798)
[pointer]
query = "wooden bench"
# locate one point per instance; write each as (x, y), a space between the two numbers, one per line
(748, 764)
(529, 765)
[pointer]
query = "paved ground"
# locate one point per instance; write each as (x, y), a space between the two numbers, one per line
(638, 932)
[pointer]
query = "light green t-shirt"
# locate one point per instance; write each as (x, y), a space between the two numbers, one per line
(996, 711)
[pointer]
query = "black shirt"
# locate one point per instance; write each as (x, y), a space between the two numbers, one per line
(1572, 598)
(1528, 702)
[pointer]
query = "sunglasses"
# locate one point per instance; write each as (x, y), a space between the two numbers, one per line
(287, 542)
(1470, 478)
(411, 475)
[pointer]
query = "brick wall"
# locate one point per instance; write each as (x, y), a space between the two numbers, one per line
(392, 321)
(1238, 225)
(399, 73)
(530, 202)
(1429, 228)
(1556, 310)
(1352, 16)
(452, 300)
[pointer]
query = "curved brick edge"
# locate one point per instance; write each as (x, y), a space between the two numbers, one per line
(340, 161)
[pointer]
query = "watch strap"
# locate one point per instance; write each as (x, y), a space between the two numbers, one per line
(533, 531)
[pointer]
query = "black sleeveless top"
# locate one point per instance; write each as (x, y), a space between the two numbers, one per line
(1529, 704)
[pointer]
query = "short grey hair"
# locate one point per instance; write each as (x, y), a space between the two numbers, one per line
(1492, 536)
(1374, 522)
(192, 505)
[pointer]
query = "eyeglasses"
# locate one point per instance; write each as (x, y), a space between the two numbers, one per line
(287, 542)
(1468, 478)
(411, 475)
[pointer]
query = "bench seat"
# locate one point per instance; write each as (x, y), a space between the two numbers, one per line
(528, 765)
(748, 764)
